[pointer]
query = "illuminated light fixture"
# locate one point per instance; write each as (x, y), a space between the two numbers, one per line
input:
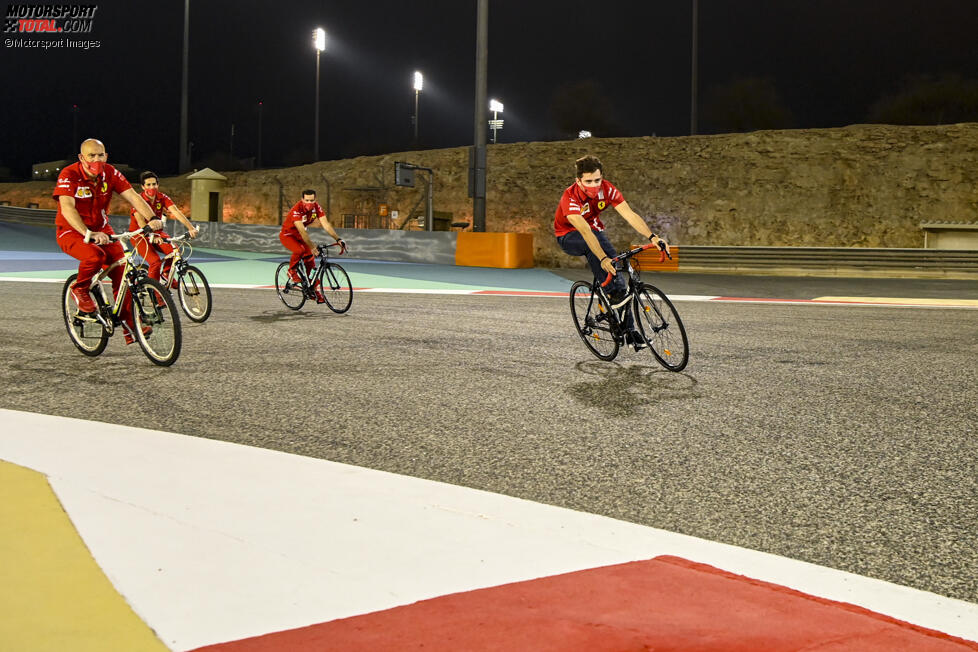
(495, 106)
(418, 85)
(584, 133)
(319, 39)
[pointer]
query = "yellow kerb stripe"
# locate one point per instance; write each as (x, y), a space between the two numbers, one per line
(55, 597)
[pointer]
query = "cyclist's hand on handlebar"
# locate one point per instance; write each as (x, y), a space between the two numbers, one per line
(99, 238)
(608, 266)
(192, 232)
(155, 225)
(342, 245)
(662, 245)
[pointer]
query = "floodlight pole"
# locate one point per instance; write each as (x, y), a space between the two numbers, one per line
(416, 94)
(694, 71)
(318, 42)
(184, 163)
(315, 149)
(481, 111)
(259, 133)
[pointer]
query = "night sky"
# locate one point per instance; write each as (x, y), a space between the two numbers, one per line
(828, 59)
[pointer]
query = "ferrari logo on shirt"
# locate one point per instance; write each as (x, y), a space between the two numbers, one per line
(105, 186)
(601, 205)
(83, 192)
(157, 205)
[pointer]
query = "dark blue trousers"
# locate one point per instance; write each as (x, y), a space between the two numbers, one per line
(573, 243)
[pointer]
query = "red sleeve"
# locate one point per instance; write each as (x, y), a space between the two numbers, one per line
(66, 186)
(118, 182)
(569, 204)
(319, 210)
(292, 216)
(167, 202)
(614, 196)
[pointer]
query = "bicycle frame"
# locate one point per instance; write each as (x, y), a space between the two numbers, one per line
(179, 265)
(310, 283)
(617, 311)
(131, 275)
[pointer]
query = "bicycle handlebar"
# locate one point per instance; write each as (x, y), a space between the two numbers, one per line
(335, 244)
(663, 252)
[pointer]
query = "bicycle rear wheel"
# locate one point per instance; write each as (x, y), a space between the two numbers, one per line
(291, 294)
(195, 294)
(153, 307)
(337, 288)
(88, 335)
(593, 321)
(659, 322)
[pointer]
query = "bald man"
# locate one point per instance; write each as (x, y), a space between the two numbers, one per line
(83, 193)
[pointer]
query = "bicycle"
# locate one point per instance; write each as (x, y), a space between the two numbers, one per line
(601, 324)
(157, 324)
(328, 277)
(195, 292)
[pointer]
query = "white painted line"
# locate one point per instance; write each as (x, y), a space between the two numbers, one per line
(965, 304)
(211, 541)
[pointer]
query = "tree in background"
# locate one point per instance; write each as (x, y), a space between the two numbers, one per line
(745, 104)
(583, 105)
(926, 100)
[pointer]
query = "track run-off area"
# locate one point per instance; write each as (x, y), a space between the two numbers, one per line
(811, 424)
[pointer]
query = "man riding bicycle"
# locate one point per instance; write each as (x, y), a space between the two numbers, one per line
(151, 247)
(295, 236)
(580, 231)
(83, 192)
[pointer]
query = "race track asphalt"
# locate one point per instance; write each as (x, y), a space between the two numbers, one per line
(842, 436)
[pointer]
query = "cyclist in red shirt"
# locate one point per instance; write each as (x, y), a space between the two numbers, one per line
(295, 236)
(580, 231)
(83, 193)
(150, 247)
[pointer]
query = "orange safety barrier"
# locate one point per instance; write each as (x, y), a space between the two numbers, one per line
(649, 260)
(506, 250)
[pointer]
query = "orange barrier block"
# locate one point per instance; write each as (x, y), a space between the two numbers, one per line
(649, 260)
(506, 250)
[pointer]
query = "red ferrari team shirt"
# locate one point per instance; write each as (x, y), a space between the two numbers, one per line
(92, 196)
(302, 212)
(575, 201)
(159, 204)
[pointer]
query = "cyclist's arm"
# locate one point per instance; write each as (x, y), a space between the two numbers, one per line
(144, 214)
(180, 217)
(637, 223)
(70, 213)
(301, 228)
(579, 223)
(329, 228)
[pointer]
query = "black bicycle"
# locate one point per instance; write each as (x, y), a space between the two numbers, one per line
(329, 280)
(601, 323)
(157, 324)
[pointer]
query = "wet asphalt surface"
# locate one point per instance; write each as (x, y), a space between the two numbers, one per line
(841, 436)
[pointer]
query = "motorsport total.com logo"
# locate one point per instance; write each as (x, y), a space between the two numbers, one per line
(50, 19)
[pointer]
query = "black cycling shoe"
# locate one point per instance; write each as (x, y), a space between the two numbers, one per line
(636, 339)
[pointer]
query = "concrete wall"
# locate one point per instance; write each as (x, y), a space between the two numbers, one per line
(858, 186)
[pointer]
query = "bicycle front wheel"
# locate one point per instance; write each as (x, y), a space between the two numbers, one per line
(195, 295)
(663, 329)
(157, 322)
(593, 321)
(337, 288)
(291, 294)
(88, 335)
